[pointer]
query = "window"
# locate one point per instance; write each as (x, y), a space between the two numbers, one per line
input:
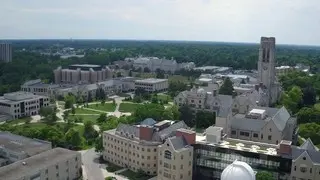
(261, 136)
(181, 176)
(181, 167)
(174, 167)
(181, 156)
(167, 154)
(304, 158)
(310, 170)
(189, 153)
(155, 149)
(255, 135)
(189, 163)
(269, 137)
(303, 169)
(233, 132)
(148, 150)
(142, 149)
(166, 165)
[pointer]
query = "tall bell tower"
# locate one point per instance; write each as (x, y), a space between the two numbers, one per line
(266, 63)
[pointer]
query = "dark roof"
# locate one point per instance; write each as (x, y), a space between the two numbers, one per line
(178, 142)
(148, 122)
(31, 165)
(171, 130)
(308, 148)
(308, 145)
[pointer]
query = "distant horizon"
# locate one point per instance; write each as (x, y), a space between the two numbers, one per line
(152, 40)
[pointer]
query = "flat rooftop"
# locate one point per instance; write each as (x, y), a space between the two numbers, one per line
(18, 143)
(17, 96)
(241, 145)
(150, 80)
(85, 67)
(35, 163)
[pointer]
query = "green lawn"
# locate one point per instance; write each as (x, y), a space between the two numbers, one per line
(164, 97)
(128, 107)
(20, 120)
(112, 167)
(84, 118)
(135, 176)
(85, 111)
(108, 107)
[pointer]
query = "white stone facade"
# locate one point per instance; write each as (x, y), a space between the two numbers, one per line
(152, 84)
(20, 104)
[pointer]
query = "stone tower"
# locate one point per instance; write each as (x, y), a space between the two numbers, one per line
(266, 63)
(266, 69)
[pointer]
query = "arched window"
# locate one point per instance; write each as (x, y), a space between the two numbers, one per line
(167, 154)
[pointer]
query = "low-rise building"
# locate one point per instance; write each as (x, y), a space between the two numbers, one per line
(261, 124)
(15, 148)
(152, 85)
(175, 156)
(37, 87)
(283, 70)
(54, 164)
(136, 146)
(20, 104)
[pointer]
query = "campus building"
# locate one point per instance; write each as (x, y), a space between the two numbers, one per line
(136, 146)
(15, 148)
(37, 87)
(283, 70)
(82, 74)
(5, 52)
(54, 164)
(175, 156)
(152, 85)
(20, 104)
(154, 63)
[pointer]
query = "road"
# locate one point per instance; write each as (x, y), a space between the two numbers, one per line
(90, 160)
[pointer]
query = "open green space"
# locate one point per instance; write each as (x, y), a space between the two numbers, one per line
(85, 111)
(180, 78)
(164, 97)
(20, 120)
(108, 107)
(128, 107)
(83, 118)
(135, 176)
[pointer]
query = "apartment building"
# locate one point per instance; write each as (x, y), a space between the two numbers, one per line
(175, 156)
(152, 85)
(20, 104)
(82, 74)
(261, 124)
(15, 148)
(136, 146)
(5, 52)
(54, 164)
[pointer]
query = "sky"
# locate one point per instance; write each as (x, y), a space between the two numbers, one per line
(290, 21)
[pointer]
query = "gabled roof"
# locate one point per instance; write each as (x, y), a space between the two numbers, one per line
(281, 118)
(130, 130)
(171, 130)
(178, 142)
(308, 145)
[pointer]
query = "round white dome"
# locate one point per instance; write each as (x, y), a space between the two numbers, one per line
(238, 170)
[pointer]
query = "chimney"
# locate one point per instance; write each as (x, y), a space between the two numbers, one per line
(145, 132)
(189, 136)
(285, 147)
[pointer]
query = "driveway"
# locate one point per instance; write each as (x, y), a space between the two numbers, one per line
(90, 160)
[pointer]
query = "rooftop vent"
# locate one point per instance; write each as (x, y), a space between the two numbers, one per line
(24, 163)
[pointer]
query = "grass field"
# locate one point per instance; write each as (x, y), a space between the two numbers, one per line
(108, 107)
(164, 97)
(20, 120)
(128, 107)
(85, 111)
(85, 118)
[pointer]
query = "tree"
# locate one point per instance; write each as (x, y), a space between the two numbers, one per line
(89, 98)
(292, 99)
(69, 100)
(46, 111)
(73, 138)
(187, 115)
(65, 115)
(89, 131)
(98, 144)
(174, 111)
(264, 175)
(102, 118)
(149, 110)
(205, 119)
(119, 74)
(308, 115)
(160, 74)
(310, 130)
(73, 110)
(227, 87)
(243, 81)
(309, 97)
(175, 87)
